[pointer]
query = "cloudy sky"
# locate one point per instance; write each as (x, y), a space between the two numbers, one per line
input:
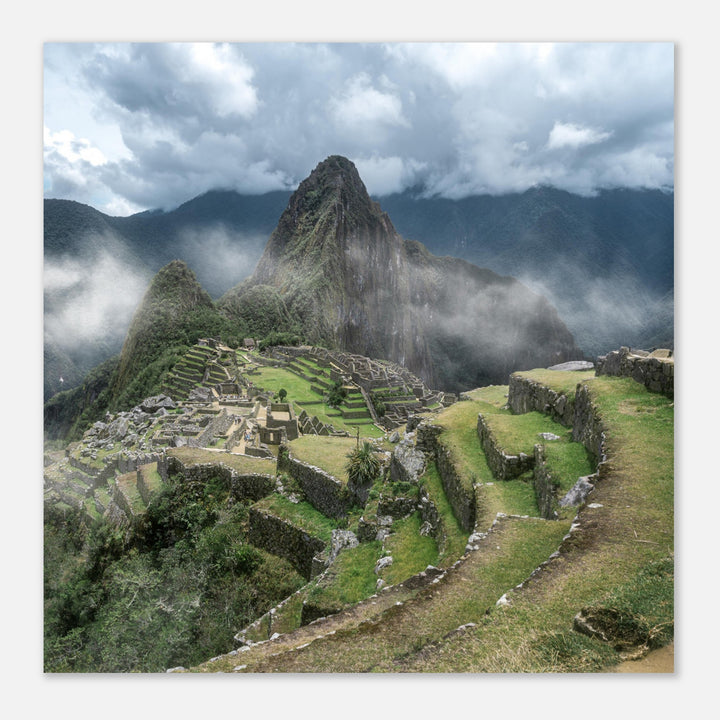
(129, 127)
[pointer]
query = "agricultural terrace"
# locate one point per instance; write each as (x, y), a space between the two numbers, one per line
(303, 397)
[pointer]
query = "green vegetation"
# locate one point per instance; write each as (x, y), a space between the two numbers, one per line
(561, 382)
(351, 579)
(301, 514)
(173, 592)
(242, 463)
(567, 462)
(454, 537)
(363, 466)
(411, 552)
(327, 453)
(184, 579)
(336, 394)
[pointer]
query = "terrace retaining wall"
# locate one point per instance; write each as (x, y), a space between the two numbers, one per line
(461, 498)
(503, 467)
(324, 492)
(280, 538)
(526, 395)
(251, 486)
(656, 370)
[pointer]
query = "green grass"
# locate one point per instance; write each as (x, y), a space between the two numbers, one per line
(463, 597)
(411, 552)
(494, 395)
(273, 379)
(620, 560)
(567, 462)
(327, 453)
(303, 398)
(351, 579)
(459, 422)
(241, 463)
(303, 515)
(620, 557)
(520, 433)
(151, 476)
(128, 484)
(452, 544)
(560, 381)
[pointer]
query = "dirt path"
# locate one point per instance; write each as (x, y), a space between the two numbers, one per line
(661, 660)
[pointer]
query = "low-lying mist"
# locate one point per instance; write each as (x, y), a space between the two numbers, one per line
(88, 307)
(605, 313)
(220, 258)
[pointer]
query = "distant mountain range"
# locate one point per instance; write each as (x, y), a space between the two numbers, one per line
(605, 262)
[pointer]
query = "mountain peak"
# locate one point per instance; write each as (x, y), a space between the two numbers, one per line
(330, 211)
(335, 185)
(348, 280)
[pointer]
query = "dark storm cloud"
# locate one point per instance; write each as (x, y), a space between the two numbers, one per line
(169, 121)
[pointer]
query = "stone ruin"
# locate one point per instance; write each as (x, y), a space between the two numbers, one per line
(654, 369)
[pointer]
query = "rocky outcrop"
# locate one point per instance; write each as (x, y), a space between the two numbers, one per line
(352, 282)
(407, 463)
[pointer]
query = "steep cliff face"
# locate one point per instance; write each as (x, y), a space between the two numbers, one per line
(350, 281)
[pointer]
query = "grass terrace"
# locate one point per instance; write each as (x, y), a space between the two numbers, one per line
(128, 486)
(411, 552)
(622, 560)
(327, 453)
(351, 579)
(455, 538)
(240, 463)
(151, 476)
(561, 381)
(302, 515)
(459, 422)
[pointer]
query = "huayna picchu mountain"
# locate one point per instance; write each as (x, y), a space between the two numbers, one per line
(350, 281)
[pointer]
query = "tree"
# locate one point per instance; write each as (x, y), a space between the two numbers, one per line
(336, 394)
(282, 394)
(363, 468)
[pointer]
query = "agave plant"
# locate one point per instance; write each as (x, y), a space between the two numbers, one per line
(363, 468)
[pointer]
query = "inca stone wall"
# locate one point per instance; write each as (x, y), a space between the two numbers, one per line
(460, 496)
(544, 484)
(526, 395)
(587, 426)
(324, 492)
(281, 538)
(251, 486)
(503, 467)
(655, 370)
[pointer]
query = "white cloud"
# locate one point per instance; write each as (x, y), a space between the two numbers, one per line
(72, 149)
(574, 136)
(360, 107)
(93, 298)
(225, 78)
(387, 175)
(174, 120)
